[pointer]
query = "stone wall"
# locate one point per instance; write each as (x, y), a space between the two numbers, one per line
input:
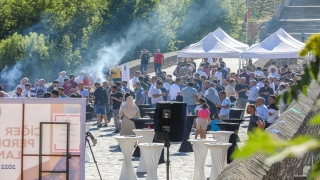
(295, 124)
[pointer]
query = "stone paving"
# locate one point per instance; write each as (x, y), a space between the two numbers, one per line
(109, 157)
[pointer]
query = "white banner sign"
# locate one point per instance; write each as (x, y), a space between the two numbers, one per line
(125, 72)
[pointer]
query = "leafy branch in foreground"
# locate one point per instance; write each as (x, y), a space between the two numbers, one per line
(278, 149)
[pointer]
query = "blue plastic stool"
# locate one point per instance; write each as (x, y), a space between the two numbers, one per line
(214, 127)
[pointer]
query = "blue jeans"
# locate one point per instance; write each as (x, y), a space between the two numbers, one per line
(157, 68)
(116, 80)
(143, 66)
(100, 109)
(191, 109)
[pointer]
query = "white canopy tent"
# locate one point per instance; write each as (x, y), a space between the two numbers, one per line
(289, 38)
(275, 46)
(228, 40)
(209, 47)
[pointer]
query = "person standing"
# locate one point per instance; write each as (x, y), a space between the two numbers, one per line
(26, 91)
(100, 99)
(140, 94)
(203, 120)
(254, 92)
(175, 89)
(62, 77)
(116, 100)
(83, 92)
(262, 109)
(158, 61)
(190, 96)
(18, 93)
(73, 83)
(54, 86)
(251, 67)
(115, 73)
(225, 106)
(281, 90)
(145, 59)
(66, 87)
(127, 111)
(241, 89)
(135, 78)
(219, 75)
(255, 119)
(23, 82)
(61, 93)
(41, 89)
(273, 110)
(245, 75)
(266, 91)
(230, 91)
(156, 94)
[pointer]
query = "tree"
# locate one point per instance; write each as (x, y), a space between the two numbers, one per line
(260, 141)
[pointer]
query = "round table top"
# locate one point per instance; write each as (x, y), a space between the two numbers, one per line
(201, 140)
(220, 132)
(142, 119)
(218, 144)
(151, 144)
(143, 130)
(149, 109)
(127, 137)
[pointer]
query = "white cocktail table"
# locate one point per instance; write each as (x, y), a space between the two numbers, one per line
(147, 137)
(151, 153)
(126, 144)
(219, 157)
(200, 153)
(221, 136)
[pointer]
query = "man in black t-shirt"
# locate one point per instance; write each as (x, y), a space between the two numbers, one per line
(100, 98)
(115, 100)
(145, 58)
(255, 119)
(241, 89)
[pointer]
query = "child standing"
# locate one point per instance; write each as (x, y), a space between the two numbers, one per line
(203, 120)
(198, 108)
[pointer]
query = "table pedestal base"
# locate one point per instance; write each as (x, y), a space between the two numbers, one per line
(186, 146)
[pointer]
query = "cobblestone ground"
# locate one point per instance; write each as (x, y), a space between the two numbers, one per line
(109, 157)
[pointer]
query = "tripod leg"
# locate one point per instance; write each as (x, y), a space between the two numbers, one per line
(94, 159)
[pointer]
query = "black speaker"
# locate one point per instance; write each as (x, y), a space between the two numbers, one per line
(170, 121)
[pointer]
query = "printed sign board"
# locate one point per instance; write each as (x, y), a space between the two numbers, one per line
(20, 142)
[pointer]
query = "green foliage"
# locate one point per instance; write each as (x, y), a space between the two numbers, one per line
(70, 32)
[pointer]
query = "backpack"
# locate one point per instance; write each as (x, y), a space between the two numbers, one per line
(103, 97)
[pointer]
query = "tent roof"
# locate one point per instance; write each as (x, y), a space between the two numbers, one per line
(289, 38)
(275, 46)
(209, 47)
(229, 41)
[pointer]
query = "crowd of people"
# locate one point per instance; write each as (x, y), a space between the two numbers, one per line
(209, 91)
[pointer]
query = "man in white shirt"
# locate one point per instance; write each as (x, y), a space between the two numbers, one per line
(230, 91)
(213, 86)
(135, 78)
(281, 90)
(273, 110)
(214, 63)
(259, 72)
(175, 89)
(262, 109)
(261, 82)
(271, 81)
(153, 84)
(254, 92)
(201, 73)
(80, 77)
(23, 82)
(273, 66)
(219, 76)
(225, 106)
(62, 77)
(273, 73)
(156, 94)
(26, 91)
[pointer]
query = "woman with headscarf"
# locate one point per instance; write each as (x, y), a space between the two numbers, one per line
(127, 111)
(212, 99)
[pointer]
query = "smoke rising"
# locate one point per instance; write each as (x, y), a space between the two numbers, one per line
(168, 13)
